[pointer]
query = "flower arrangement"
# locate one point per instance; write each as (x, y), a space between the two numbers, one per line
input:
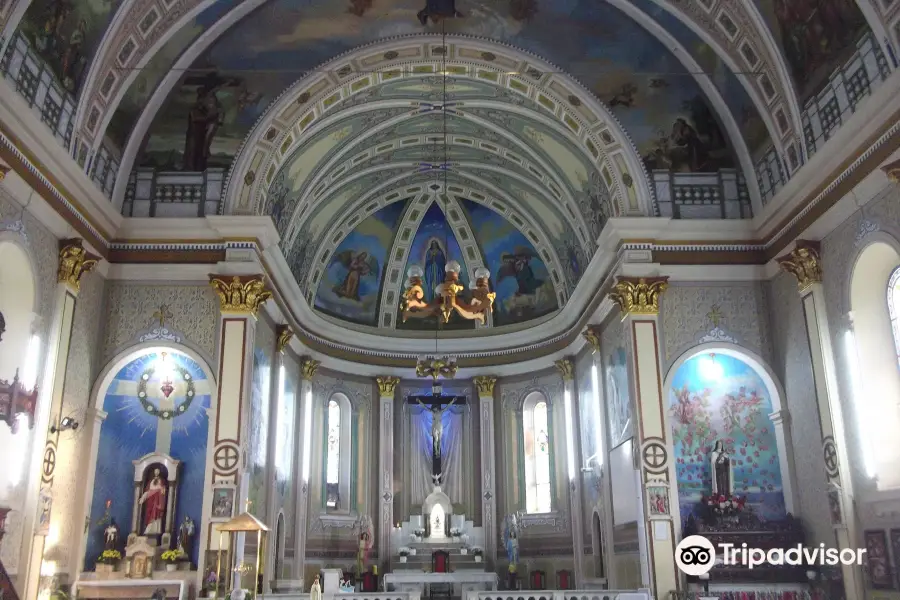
(455, 533)
(476, 551)
(723, 505)
(419, 533)
(172, 556)
(404, 551)
(109, 557)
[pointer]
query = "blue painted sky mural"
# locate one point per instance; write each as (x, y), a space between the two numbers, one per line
(141, 420)
(259, 428)
(518, 276)
(720, 397)
(433, 247)
(351, 285)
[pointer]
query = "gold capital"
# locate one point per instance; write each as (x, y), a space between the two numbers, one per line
(485, 385)
(4, 171)
(566, 368)
(892, 170)
(308, 368)
(804, 263)
(639, 295)
(592, 335)
(285, 333)
(386, 385)
(240, 294)
(74, 261)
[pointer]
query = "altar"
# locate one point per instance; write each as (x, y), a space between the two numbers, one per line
(463, 581)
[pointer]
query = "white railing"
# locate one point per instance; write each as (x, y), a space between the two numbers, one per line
(152, 193)
(641, 594)
(721, 195)
(354, 596)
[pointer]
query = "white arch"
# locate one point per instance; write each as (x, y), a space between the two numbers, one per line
(779, 412)
(345, 449)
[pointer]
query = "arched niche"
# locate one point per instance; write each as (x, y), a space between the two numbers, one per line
(436, 512)
(150, 398)
(338, 454)
(876, 346)
(721, 391)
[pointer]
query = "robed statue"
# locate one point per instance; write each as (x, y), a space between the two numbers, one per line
(437, 425)
(511, 541)
(185, 535)
(111, 536)
(154, 502)
(720, 464)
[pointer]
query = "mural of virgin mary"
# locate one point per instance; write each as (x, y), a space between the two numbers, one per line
(435, 261)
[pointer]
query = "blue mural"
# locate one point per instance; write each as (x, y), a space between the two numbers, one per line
(433, 247)
(259, 430)
(722, 398)
(518, 275)
(156, 403)
(351, 285)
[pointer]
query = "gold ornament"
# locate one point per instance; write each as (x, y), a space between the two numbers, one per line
(592, 335)
(436, 367)
(308, 368)
(4, 171)
(244, 294)
(566, 367)
(485, 385)
(285, 333)
(892, 170)
(386, 385)
(804, 263)
(74, 261)
(639, 296)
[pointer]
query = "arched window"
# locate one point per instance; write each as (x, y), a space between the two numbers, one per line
(893, 300)
(537, 445)
(338, 454)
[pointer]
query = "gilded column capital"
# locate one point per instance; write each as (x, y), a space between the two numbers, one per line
(386, 385)
(639, 295)
(240, 294)
(485, 384)
(4, 171)
(74, 261)
(566, 368)
(308, 368)
(592, 335)
(804, 263)
(285, 334)
(892, 170)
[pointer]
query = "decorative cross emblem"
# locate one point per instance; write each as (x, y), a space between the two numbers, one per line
(830, 454)
(488, 495)
(226, 458)
(655, 455)
(715, 315)
(162, 314)
(387, 496)
(49, 462)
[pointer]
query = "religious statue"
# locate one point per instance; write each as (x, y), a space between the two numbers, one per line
(154, 502)
(437, 425)
(185, 535)
(315, 591)
(366, 531)
(111, 536)
(720, 463)
(511, 541)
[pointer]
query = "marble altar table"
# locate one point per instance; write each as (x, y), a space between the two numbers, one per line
(465, 581)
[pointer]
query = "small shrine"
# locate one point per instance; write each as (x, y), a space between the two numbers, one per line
(153, 511)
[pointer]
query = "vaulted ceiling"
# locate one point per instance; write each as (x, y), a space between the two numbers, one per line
(543, 116)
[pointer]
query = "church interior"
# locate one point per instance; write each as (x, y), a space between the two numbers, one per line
(449, 299)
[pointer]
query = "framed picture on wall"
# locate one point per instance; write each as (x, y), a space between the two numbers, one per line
(222, 503)
(877, 560)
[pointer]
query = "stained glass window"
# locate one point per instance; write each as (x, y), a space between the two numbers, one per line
(333, 466)
(537, 456)
(893, 301)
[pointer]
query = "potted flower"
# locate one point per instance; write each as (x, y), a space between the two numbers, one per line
(106, 562)
(478, 553)
(404, 552)
(455, 534)
(172, 558)
(210, 585)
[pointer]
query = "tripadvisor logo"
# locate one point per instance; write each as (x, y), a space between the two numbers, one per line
(696, 555)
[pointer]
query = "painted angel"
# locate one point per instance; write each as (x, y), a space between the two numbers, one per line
(358, 265)
(518, 265)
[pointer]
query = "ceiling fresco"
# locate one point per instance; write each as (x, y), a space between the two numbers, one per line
(657, 100)
(815, 36)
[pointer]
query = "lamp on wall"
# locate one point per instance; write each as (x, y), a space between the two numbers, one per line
(65, 424)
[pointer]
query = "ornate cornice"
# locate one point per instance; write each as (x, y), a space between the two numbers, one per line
(592, 335)
(240, 294)
(485, 384)
(639, 295)
(386, 385)
(308, 368)
(285, 334)
(566, 368)
(74, 261)
(804, 263)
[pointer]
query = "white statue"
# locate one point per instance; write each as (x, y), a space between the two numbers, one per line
(720, 465)
(315, 591)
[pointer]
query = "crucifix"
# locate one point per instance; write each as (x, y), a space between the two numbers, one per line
(437, 403)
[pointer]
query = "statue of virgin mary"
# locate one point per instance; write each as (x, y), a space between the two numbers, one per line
(720, 463)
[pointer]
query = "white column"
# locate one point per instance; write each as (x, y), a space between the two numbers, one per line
(74, 262)
(226, 466)
(638, 298)
(308, 369)
(485, 385)
(805, 264)
(781, 421)
(566, 367)
(386, 388)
